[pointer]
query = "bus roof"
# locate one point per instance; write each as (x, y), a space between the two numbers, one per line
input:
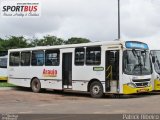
(71, 45)
(104, 43)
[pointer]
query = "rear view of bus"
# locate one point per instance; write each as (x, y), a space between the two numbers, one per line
(3, 65)
(136, 68)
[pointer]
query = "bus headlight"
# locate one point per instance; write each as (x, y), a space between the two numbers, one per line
(149, 84)
(131, 85)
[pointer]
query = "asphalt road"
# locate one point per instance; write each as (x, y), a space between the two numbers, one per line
(23, 101)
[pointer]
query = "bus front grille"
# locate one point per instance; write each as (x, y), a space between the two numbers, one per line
(142, 84)
(141, 80)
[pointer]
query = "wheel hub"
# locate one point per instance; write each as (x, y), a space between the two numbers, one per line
(96, 89)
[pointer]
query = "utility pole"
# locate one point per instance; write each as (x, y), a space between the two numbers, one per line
(119, 29)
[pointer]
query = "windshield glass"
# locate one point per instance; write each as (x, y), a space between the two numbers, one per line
(136, 62)
(3, 62)
(156, 55)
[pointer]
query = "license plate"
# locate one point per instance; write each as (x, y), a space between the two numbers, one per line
(142, 90)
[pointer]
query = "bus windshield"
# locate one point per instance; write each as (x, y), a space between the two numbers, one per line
(3, 62)
(156, 54)
(136, 62)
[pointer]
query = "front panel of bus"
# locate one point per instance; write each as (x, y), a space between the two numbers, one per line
(155, 55)
(136, 68)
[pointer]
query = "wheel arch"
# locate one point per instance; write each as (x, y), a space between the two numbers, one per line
(32, 80)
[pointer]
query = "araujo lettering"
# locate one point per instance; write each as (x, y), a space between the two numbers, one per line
(49, 73)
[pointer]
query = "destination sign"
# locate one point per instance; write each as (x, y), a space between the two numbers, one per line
(136, 45)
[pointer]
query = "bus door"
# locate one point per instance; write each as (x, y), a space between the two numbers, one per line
(112, 71)
(67, 70)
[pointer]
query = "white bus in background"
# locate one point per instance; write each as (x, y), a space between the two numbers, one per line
(113, 67)
(155, 56)
(3, 65)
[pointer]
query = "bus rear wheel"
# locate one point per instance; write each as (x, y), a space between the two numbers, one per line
(36, 85)
(96, 89)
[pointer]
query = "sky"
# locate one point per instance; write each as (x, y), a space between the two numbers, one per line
(92, 19)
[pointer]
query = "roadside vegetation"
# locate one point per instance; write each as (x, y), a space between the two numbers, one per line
(22, 42)
(5, 84)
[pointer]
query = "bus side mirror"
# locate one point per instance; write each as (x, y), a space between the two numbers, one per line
(153, 59)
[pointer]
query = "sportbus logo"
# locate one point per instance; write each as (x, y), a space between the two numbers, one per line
(17, 8)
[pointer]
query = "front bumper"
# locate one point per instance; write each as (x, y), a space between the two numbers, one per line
(3, 78)
(129, 90)
(156, 84)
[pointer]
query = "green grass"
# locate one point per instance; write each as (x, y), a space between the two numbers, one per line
(5, 84)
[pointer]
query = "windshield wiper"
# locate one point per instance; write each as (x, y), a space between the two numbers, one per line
(139, 60)
(138, 65)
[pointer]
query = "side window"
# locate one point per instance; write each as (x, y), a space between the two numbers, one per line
(25, 58)
(79, 56)
(3, 53)
(37, 58)
(3, 62)
(93, 55)
(14, 59)
(52, 57)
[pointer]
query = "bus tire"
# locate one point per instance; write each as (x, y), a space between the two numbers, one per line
(96, 89)
(36, 85)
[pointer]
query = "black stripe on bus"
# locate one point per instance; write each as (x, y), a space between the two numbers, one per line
(83, 81)
(55, 79)
(18, 78)
(31, 78)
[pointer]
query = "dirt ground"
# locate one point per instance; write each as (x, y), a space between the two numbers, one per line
(56, 102)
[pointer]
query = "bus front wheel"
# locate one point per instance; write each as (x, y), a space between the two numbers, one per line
(36, 85)
(96, 89)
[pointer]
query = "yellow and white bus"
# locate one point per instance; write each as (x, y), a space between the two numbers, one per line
(115, 67)
(155, 55)
(3, 65)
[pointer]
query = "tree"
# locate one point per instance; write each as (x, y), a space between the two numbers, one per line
(47, 40)
(21, 42)
(2, 45)
(15, 42)
(33, 42)
(75, 40)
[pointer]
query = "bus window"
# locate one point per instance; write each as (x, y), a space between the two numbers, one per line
(38, 58)
(3, 62)
(25, 58)
(79, 56)
(93, 55)
(3, 53)
(52, 57)
(156, 63)
(14, 59)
